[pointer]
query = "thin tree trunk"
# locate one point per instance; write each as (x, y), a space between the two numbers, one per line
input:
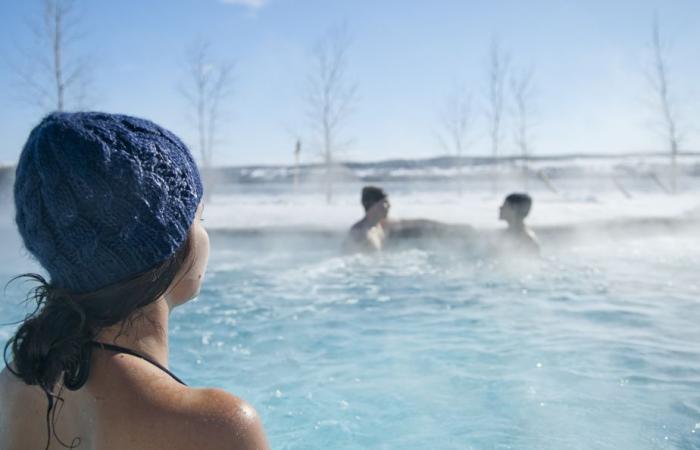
(58, 69)
(660, 83)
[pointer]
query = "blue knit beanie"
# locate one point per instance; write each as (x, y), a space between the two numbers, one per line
(102, 197)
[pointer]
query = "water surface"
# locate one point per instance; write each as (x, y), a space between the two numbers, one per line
(594, 346)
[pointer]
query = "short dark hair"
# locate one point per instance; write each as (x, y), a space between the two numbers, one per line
(372, 195)
(520, 202)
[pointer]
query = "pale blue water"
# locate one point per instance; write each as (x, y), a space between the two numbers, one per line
(595, 346)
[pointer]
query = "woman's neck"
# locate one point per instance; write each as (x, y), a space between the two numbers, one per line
(146, 333)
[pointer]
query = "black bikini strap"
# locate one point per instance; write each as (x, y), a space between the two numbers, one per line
(119, 349)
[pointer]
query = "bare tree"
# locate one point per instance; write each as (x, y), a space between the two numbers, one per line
(522, 90)
(330, 97)
(497, 72)
(208, 86)
(52, 76)
(659, 82)
(456, 123)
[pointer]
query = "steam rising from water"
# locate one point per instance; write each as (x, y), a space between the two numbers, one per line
(593, 346)
(434, 346)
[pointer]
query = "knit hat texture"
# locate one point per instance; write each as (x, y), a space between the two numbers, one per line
(102, 197)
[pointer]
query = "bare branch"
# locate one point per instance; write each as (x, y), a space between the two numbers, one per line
(659, 82)
(51, 77)
(497, 73)
(456, 123)
(207, 86)
(330, 99)
(522, 91)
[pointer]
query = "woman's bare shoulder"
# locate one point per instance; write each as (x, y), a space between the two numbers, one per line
(14, 391)
(183, 418)
(22, 411)
(213, 419)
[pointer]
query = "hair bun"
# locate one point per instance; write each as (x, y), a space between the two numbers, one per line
(53, 341)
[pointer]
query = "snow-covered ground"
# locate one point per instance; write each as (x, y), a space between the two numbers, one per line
(309, 210)
(446, 167)
(566, 191)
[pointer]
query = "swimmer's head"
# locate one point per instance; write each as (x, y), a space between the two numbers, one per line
(111, 207)
(372, 195)
(515, 207)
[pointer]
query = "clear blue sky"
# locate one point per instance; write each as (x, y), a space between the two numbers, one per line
(406, 57)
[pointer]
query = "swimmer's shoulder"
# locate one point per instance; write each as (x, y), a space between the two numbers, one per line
(216, 420)
(359, 227)
(533, 240)
(165, 414)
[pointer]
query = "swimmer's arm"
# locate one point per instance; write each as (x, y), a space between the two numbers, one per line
(357, 237)
(358, 240)
(414, 224)
(411, 227)
(536, 246)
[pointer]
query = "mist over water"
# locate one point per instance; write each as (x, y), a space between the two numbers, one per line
(433, 345)
(594, 346)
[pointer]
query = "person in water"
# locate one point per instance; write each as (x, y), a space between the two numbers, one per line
(111, 207)
(375, 230)
(370, 232)
(518, 236)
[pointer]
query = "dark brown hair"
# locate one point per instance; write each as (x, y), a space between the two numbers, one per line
(372, 195)
(520, 202)
(53, 343)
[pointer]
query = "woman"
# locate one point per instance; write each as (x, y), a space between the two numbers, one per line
(111, 207)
